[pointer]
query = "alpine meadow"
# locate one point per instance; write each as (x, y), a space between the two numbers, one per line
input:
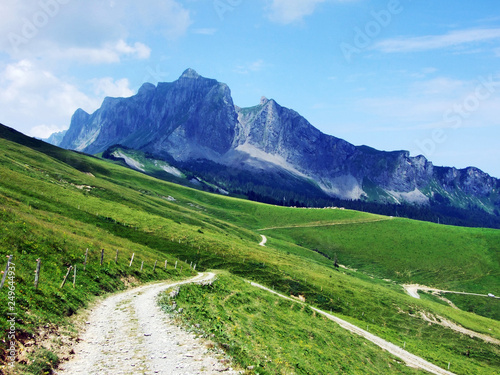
(55, 204)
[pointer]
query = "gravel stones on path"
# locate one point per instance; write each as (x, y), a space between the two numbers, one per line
(127, 333)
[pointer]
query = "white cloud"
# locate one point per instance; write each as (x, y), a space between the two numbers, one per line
(108, 87)
(44, 131)
(432, 42)
(294, 11)
(108, 54)
(26, 30)
(423, 73)
(290, 11)
(169, 17)
(35, 101)
(253, 66)
(438, 103)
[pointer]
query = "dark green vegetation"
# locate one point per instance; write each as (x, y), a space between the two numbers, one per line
(489, 307)
(55, 203)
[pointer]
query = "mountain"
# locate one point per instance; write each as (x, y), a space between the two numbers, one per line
(55, 138)
(55, 204)
(269, 151)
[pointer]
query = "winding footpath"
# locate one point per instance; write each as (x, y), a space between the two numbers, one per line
(412, 290)
(128, 333)
(410, 359)
(328, 224)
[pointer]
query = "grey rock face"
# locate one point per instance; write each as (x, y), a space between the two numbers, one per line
(56, 138)
(194, 118)
(191, 117)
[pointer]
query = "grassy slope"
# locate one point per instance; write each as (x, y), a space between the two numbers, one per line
(276, 336)
(45, 214)
(408, 251)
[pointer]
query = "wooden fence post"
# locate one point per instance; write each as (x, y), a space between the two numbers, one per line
(9, 261)
(194, 268)
(116, 257)
(154, 267)
(131, 260)
(176, 264)
(166, 264)
(142, 265)
(37, 272)
(74, 277)
(65, 277)
(85, 261)
(102, 256)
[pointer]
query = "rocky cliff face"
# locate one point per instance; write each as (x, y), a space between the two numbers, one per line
(191, 117)
(194, 119)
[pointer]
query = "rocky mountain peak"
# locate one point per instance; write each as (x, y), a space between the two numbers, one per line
(145, 88)
(190, 73)
(193, 121)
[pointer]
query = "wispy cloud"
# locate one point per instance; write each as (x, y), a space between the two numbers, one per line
(31, 93)
(90, 25)
(107, 54)
(289, 11)
(253, 66)
(426, 102)
(109, 87)
(432, 42)
(205, 31)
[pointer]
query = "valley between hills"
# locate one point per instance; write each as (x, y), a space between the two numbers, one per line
(55, 204)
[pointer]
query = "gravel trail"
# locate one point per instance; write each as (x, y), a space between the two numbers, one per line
(127, 333)
(412, 290)
(410, 359)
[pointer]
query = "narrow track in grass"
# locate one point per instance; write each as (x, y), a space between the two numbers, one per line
(327, 224)
(410, 359)
(412, 290)
(127, 333)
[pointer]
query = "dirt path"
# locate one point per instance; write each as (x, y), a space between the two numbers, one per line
(127, 333)
(412, 290)
(410, 359)
(264, 240)
(322, 224)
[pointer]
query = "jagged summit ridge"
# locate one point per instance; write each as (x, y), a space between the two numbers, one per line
(193, 120)
(190, 73)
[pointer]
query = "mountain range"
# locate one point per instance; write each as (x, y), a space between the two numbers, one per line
(266, 152)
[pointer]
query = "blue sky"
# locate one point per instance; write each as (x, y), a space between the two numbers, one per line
(423, 76)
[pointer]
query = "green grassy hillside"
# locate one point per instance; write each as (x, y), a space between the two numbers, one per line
(453, 258)
(55, 203)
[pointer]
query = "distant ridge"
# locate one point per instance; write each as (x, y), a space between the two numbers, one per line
(269, 150)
